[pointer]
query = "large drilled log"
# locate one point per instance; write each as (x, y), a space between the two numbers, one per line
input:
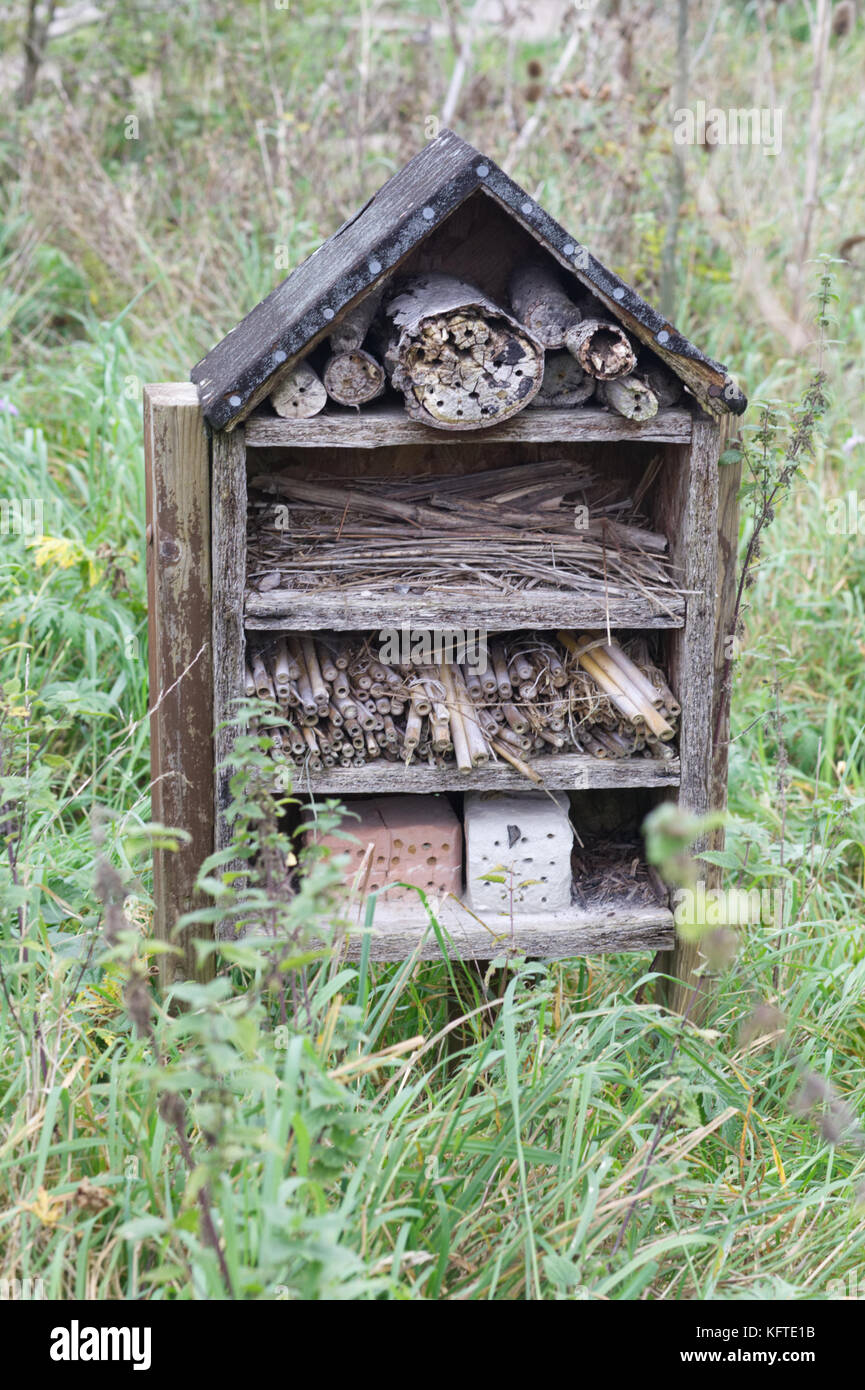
(460, 361)
(628, 396)
(539, 302)
(602, 349)
(299, 394)
(565, 384)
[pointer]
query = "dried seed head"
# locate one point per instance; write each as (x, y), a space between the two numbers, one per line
(720, 947)
(764, 1019)
(172, 1110)
(137, 998)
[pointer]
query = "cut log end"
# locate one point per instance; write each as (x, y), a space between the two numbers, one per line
(300, 394)
(353, 378)
(629, 396)
(602, 349)
(564, 384)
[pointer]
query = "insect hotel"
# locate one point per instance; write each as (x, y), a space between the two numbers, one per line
(448, 504)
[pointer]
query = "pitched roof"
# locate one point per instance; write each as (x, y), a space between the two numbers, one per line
(235, 375)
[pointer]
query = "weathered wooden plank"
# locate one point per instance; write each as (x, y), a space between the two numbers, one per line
(382, 425)
(560, 771)
(177, 468)
(229, 576)
(400, 929)
(306, 610)
(692, 494)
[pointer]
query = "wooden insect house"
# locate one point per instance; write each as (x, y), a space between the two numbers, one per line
(449, 502)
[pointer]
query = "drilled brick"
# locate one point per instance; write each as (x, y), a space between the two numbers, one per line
(527, 833)
(416, 840)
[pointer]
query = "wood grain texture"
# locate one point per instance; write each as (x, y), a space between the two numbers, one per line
(383, 425)
(177, 468)
(401, 929)
(692, 493)
(305, 610)
(229, 576)
(560, 772)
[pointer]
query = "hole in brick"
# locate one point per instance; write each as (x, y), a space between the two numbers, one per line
(496, 843)
(394, 861)
(543, 900)
(524, 840)
(379, 859)
(430, 884)
(431, 859)
(426, 845)
(445, 847)
(412, 849)
(550, 835)
(397, 844)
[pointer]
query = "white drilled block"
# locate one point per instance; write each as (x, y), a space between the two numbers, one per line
(528, 832)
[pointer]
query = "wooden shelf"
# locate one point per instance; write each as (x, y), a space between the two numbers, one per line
(402, 928)
(560, 771)
(388, 424)
(358, 610)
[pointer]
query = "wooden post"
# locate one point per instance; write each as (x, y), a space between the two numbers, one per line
(177, 466)
(229, 577)
(691, 520)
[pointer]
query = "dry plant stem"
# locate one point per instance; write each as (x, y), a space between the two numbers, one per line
(633, 672)
(610, 687)
(457, 726)
(646, 710)
(516, 762)
(477, 744)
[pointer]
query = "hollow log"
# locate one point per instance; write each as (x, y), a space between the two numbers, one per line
(460, 361)
(629, 396)
(300, 394)
(539, 302)
(564, 383)
(602, 349)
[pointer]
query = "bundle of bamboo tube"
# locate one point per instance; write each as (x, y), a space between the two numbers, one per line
(533, 694)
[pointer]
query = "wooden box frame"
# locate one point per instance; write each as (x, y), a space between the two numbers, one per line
(196, 549)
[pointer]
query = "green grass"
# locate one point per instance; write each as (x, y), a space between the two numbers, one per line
(407, 1131)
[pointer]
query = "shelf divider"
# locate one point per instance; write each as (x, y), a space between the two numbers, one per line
(382, 425)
